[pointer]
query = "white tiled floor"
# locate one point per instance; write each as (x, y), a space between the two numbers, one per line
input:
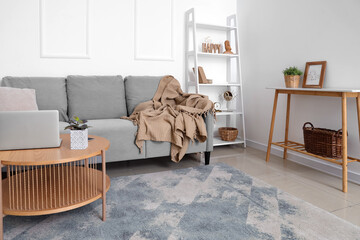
(315, 187)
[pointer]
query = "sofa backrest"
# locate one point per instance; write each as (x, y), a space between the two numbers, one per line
(88, 97)
(140, 89)
(50, 92)
(96, 97)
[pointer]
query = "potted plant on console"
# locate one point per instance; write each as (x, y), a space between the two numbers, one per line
(292, 77)
(78, 133)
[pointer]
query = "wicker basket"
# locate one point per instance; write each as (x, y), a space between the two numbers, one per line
(323, 142)
(228, 133)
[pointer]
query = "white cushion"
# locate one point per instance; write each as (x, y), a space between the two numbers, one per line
(16, 99)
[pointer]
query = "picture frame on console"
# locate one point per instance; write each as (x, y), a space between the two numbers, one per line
(314, 74)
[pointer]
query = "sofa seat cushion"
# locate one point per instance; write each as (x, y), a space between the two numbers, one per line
(96, 97)
(140, 89)
(121, 134)
(160, 149)
(50, 92)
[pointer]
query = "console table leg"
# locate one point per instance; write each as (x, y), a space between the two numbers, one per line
(344, 141)
(1, 209)
(272, 125)
(358, 110)
(287, 124)
(103, 185)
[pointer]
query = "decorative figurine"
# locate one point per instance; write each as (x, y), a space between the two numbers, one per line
(217, 107)
(212, 48)
(218, 48)
(228, 96)
(202, 76)
(228, 47)
(204, 48)
(208, 47)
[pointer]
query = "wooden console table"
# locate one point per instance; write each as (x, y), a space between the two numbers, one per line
(297, 147)
(52, 180)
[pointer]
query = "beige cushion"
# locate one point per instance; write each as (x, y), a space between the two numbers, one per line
(16, 99)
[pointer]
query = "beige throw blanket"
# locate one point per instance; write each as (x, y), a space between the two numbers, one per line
(172, 116)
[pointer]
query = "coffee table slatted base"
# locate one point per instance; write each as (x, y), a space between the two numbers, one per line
(40, 190)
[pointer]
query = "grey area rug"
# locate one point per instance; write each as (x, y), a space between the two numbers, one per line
(207, 202)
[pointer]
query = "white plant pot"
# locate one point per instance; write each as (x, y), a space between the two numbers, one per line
(79, 139)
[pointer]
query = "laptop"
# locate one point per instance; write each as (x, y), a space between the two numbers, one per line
(29, 129)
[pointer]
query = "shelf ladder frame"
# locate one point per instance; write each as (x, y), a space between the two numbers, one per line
(231, 28)
(232, 21)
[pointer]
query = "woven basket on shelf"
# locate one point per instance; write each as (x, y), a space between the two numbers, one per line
(322, 141)
(228, 133)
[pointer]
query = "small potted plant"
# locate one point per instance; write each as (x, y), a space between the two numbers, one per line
(292, 77)
(78, 133)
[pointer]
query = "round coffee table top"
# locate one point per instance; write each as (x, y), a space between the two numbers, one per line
(62, 154)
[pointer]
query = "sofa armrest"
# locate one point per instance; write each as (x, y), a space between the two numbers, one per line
(209, 121)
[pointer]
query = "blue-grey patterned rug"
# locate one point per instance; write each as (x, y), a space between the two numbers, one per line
(207, 202)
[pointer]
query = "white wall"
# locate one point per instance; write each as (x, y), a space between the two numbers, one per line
(111, 36)
(280, 33)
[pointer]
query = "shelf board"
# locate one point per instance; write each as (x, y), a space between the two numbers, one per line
(298, 147)
(219, 142)
(218, 55)
(215, 27)
(228, 113)
(220, 84)
(215, 84)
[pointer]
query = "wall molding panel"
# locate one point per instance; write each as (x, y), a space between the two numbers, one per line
(64, 29)
(154, 32)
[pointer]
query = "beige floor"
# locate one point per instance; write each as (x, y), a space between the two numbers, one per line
(315, 187)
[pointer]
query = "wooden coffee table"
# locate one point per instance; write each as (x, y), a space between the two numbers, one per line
(53, 180)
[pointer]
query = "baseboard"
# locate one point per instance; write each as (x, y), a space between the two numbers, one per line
(302, 159)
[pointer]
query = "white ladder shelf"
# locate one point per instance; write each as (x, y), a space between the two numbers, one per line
(230, 28)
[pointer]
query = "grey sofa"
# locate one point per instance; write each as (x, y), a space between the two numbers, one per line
(103, 100)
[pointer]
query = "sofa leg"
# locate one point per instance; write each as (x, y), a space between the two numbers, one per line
(207, 158)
